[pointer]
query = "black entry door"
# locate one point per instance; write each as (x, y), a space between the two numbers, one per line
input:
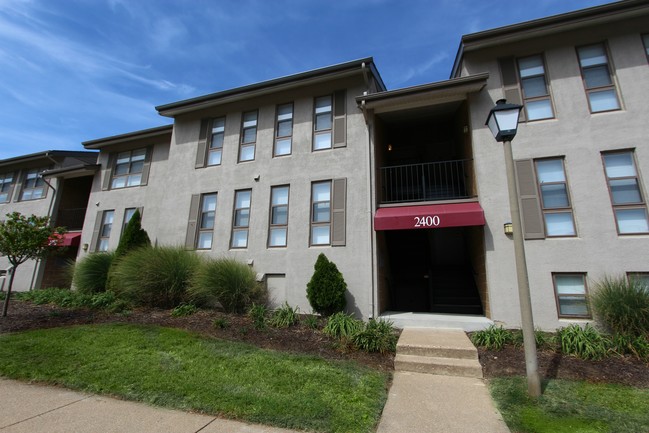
(410, 265)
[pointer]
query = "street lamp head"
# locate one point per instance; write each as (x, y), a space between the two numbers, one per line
(503, 120)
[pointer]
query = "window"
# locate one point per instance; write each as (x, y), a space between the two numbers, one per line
(248, 136)
(6, 187)
(320, 213)
(645, 40)
(128, 214)
(278, 216)
(33, 185)
(322, 124)
(596, 74)
(571, 295)
(215, 150)
(283, 130)
(129, 167)
(206, 225)
(536, 97)
(638, 277)
(241, 220)
(626, 195)
(105, 229)
(555, 200)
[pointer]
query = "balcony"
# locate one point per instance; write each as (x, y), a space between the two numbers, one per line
(431, 181)
(72, 219)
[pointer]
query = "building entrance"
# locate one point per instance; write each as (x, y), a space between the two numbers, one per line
(431, 271)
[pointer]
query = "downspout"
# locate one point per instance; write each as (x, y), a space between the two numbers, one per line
(370, 164)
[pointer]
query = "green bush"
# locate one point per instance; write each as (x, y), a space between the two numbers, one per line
(134, 236)
(326, 290)
(284, 317)
(91, 272)
(493, 338)
(155, 277)
(67, 298)
(220, 323)
(585, 343)
(625, 344)
(184, 310)
(376, 336)
(258, 314)
(543, 339)
(622, 305)
(311, 321)
(229, 282)
(342, 325)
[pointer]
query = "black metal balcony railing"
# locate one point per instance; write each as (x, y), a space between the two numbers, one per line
(72, 219)
(445, 180)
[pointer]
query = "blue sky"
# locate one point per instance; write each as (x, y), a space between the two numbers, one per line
(77, 70)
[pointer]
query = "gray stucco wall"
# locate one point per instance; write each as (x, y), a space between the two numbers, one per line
(173, 179)
(579, 136)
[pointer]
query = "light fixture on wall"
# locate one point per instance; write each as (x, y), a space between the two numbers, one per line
(389, 148)
(84, 247)
(508, 228)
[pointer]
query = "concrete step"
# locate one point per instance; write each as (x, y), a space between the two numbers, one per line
(437, 351)
(440, 343)
(437, 365)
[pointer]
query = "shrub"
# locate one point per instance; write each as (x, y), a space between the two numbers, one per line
(326, 290)
(376, 336)
(284, 317)
(622, 305)
(220, 323)
(311, 321)
(183, 310)
(543, 339)
(231, 283)
(156, 277)
(625, 344)
(73, 299)
(342, 325)
(258, 313)
(134, 236)
(492, 338)
(585, 343)
(91, 272)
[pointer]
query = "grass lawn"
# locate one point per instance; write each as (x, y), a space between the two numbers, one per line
(572, 407)
(177, 369)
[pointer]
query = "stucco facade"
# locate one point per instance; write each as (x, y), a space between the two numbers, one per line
(417, 196)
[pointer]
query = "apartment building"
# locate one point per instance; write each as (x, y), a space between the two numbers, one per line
(406, 190)
(52, 183)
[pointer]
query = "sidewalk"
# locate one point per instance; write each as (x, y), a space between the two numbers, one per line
(417, 402)
(26, 408)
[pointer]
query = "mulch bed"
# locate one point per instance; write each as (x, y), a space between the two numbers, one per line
(301, 339)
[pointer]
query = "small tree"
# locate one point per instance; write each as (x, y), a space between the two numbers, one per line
(25, 238)
(326, 290)
(134, 236)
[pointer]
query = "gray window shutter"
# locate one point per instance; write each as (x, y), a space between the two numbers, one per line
(510, 83)
(528, 195)
(95, 232)
(19, 185)
(192, 225)
(147, 166)
(141, 210)
(108, 172)
(338, 217)
(340, 118)
(201, 152)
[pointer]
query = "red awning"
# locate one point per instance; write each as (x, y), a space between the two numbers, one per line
(429, 216)
(69, 239)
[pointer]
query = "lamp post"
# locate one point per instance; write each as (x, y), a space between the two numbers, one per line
(503, 123)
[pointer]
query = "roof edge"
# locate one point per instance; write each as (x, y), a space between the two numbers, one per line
(115, 139)
(43, 155)
(545, 22)
(180, 107)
